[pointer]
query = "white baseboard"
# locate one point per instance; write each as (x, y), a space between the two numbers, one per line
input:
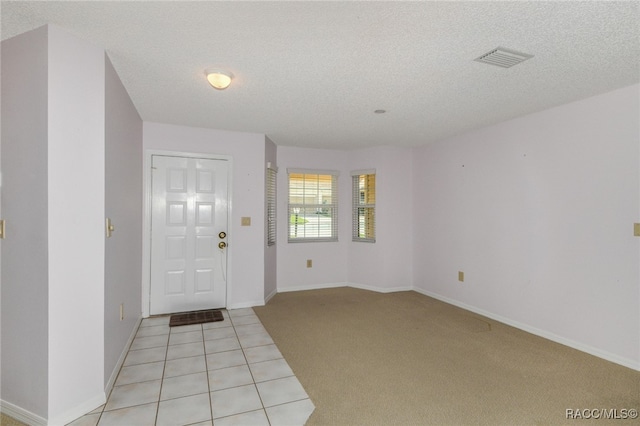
(123, 355)
(245, 304)
(273, 293)
(345, 284)
(379, 289)
(21, 414)
(538, 332)
(311, 287)
(78, 411)
(32, 419)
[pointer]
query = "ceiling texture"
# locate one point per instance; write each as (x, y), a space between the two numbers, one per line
(311, 74)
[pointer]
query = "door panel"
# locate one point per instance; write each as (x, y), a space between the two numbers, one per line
(189, 210)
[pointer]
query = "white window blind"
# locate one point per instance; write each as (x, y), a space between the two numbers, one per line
(272, 174)
(313, 205)
(364, 206)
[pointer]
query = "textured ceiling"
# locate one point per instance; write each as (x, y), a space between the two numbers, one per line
(311, 74)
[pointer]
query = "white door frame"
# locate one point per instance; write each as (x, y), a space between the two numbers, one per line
(146, 220)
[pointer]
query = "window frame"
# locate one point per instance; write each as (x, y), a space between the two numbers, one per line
(272, 210)
(309, 189)
(366, 204)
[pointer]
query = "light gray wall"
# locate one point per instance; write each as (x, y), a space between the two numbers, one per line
(24, 207)
(76, 225)
(123, 205)
(385, 265)
(329, 259)
(245, 286)
(538, 212)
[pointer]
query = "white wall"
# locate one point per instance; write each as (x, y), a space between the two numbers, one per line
(538, 212)
(330, 263)
(76, 181)
(246, 243)
(25, 311)
(123, 205)
(385, 265)
(381, 266)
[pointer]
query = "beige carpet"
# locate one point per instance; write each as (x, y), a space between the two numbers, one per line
(9, 421)
(403, 358)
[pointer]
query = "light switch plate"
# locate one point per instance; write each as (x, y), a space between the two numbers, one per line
(460, 276)
(245, 221)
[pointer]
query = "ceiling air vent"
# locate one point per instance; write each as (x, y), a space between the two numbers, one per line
(501, 57)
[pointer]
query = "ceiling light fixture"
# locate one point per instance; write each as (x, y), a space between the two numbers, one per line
(219, 79)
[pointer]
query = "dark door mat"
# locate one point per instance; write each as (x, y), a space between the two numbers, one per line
(198, 317)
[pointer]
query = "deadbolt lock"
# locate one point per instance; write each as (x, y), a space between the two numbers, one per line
(222, 235)
(222, 244)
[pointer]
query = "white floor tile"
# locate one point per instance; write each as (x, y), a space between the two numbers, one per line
(281, 391)
(138, 415)
(270, 370)
(185, 337)
(149, 342)
(262, 353)
(291, 414)
(253, 418)
(88, 420)
(180, 386)
(252, 340)
(184, 411)
(148, 322)
(98, 410)
(133, 394)
(155, 330)
(233, 313)
(140, 373)
(143, 356)
(221, 345)
(245, 319)
(181, 366)
(245, 330)
(219, 333)
(186, 328)
(217, 324)
(232, 401)
(225, 359)
(185, 350)
(229, 377)
(178, 375)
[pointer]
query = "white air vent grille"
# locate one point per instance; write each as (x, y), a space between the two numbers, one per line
(501, 57)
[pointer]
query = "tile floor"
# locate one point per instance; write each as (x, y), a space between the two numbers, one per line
(220, 373)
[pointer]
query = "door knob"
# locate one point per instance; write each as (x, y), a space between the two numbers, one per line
(110, 228)
(222, 244)
(222, 235)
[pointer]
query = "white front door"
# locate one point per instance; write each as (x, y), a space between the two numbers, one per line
(188, 223)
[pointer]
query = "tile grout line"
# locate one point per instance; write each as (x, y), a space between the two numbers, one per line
(164, 367)
(206, 369)
(255, 385)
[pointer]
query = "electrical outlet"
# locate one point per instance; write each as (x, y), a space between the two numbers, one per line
(121, 311)
(309, 263)
(460, 276)
(245, 221)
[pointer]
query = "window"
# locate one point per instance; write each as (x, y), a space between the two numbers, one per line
(271, 204)
(313, 205)
(364, 206)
